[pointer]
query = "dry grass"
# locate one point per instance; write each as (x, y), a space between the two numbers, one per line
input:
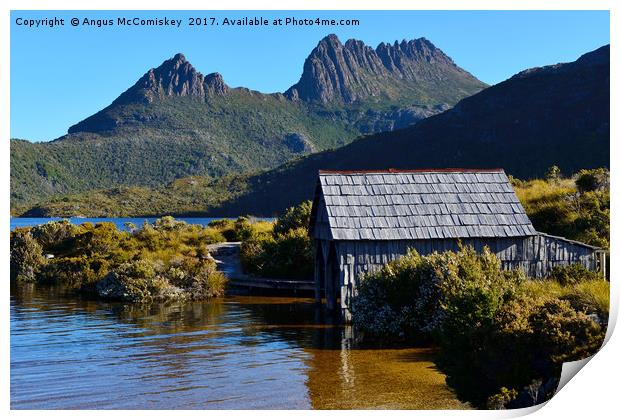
(590, 295)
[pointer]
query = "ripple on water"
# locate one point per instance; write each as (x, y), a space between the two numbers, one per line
(250, 353)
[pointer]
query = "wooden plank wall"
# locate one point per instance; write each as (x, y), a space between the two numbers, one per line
(535, 255)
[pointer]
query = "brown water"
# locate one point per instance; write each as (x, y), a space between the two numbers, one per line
(232, 353)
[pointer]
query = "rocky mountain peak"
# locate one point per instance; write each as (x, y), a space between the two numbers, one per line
(174, 77)
(336, 72)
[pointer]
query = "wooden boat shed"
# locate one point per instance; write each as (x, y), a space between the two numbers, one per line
(363, 219)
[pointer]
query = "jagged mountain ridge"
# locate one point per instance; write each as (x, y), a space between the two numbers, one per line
(176, 122)
(412, 76)
(552, 115)
(350, 72)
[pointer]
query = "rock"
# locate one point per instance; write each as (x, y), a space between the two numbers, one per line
(174, 77)
(354, 71)
(298, 143)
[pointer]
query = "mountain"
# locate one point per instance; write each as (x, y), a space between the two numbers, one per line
(176, 122)
(554, 115)
(353, 72)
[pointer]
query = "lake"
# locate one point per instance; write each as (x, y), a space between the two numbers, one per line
(237, 352)
(118, 221)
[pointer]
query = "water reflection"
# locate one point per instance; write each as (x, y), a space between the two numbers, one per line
(238, 352)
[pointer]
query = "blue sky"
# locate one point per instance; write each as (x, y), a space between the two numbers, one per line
(62, 75)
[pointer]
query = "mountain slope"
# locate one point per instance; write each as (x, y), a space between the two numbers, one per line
(540, 117)
(555, 115)
(175, 122)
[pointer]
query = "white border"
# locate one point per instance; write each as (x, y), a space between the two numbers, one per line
(592, 394)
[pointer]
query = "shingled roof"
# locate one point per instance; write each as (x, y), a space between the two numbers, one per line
(420, 204)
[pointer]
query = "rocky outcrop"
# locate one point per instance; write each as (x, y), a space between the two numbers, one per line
(298, 143)
(175, 77)
(350, 72)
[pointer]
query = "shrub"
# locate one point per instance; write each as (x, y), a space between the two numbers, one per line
(502, 338)
(592, 180)
(26, 256)
(164, 260)
(53, 235)
(562, 334)
(241, 229)
(280, 250)
(198, 277)
(289, 255)
(135, 281)
(553, 173)
(294, 218)
(445, 293)
(501, 399)
(74, 272)
(572, 274)
(226, 227)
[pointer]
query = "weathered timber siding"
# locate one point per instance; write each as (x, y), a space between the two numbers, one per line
(535, 255)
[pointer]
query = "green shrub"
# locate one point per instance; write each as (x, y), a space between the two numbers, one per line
(592, 180)
(26, 256)
(52, 235)
(447, 293)
(502, 338)
(294, 218)
(562, 334)
(573, 274)
(226, 227)
(289, 255)
(136, 281)
(280, 250)
(241, 229)
(167, 259)
(74, 272)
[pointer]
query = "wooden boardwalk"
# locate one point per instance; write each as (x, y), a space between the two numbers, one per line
(226, 256)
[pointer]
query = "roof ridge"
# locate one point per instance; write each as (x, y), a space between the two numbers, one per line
(400, 171)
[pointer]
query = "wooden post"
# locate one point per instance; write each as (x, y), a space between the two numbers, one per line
(330, 293)
(319, 271)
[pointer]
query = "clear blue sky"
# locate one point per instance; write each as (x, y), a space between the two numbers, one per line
(61, 75)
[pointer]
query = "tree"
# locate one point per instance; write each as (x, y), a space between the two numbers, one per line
(553, 173)
(592, 180)
(293, 218)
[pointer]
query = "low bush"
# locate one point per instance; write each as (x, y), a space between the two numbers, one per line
(573, 274)
(241, 229)
(502, 337)
(577, 208)
(288, 255)
(285, 251)
(164, 260)
(293, 218)
(26, 256)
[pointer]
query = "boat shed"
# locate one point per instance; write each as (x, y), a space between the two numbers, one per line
(363, 219)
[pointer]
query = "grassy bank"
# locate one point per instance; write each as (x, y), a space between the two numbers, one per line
(576, 207)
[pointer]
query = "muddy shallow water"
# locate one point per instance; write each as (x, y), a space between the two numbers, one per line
(235, 352)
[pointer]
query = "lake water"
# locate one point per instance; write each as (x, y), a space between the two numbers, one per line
(229, 353)
(118, 221)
